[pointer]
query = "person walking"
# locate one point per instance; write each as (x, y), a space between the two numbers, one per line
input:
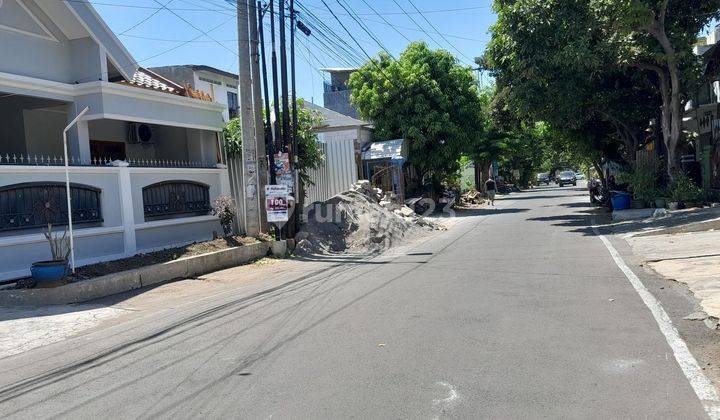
(490, 190)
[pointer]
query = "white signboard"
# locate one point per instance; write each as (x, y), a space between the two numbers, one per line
(277, 202)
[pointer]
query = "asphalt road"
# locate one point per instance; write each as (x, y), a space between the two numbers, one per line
(515, 312)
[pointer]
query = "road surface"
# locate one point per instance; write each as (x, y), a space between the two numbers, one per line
(515, 312)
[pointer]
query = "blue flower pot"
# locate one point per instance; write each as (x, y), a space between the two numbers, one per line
(49, 271)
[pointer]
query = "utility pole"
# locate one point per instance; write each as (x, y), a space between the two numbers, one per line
(260, 155)
(269, 135)
(276, 88)
(299, 194)
(290, 226)
(284, 81)
(250, 188)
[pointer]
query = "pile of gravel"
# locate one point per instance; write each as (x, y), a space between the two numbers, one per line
(356, 222)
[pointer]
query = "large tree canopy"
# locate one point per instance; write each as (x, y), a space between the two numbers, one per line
(608, 65)
(426, 97)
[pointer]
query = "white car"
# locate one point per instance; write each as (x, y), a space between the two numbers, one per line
(579, 175)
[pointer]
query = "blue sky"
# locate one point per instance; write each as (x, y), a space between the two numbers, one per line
(157, 36)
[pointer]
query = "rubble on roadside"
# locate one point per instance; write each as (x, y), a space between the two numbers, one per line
(472, 197)
(362, 220)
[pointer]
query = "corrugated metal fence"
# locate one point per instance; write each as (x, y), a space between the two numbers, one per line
(337, 173)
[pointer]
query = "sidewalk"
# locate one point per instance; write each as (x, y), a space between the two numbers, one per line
(685, 252)
(22, 329)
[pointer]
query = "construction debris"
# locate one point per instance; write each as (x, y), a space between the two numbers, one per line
(362, 220)
(472, 197)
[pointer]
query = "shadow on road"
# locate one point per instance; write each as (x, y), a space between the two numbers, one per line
(466, 212)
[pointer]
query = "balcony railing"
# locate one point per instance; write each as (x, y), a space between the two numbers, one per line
(49, 160)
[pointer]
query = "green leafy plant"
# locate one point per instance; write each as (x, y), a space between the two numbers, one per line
(642, 180)
(233, 138)
(59, 244)
(310, 155)
(684, 190)
(224, 208)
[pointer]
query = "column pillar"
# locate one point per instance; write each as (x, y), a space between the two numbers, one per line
(78, 137)
(126, 208)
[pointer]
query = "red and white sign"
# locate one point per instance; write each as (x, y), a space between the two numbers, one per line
(277, 203)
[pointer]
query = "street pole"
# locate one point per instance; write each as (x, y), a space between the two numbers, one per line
(250, 201)
(276, 88)
(67, 187)
(269, 135)
(261, 156)
(293, 141)
(284, 81)
(289, 227)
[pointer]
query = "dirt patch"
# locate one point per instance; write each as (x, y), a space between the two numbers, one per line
(170, 254)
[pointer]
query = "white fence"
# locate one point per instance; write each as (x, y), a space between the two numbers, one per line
(337, 173)
(123, 229)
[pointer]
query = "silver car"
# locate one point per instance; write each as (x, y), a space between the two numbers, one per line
(567, 178)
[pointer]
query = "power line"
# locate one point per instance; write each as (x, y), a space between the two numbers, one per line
(457, 9)
(371, 60)
(196, 28)
(385, 20)
(416, 23)
(364, 28)
(441, 35)
(146, 18)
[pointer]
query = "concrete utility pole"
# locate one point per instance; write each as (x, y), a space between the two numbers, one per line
(251, 204)
(258, 113)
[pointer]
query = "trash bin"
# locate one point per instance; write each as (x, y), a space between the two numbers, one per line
(620, 200)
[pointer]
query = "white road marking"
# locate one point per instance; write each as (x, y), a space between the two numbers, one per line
(704, 389)
(442, 405)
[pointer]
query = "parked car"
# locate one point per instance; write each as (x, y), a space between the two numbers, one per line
(542, 178)
(567, 178)
(579, 175)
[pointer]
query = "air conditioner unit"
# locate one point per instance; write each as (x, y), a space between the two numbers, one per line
(141, 134)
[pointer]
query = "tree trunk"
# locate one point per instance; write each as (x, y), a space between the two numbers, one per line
(671, 89)
(666, 122)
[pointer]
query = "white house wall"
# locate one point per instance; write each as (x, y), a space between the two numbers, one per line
(219, 92)
(124, 230)
(135, 107)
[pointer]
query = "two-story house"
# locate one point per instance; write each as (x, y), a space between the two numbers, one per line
(146, 160)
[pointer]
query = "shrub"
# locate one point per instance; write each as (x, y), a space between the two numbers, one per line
(59, 244)
(684, 190)
(642, 180)
(224, 208)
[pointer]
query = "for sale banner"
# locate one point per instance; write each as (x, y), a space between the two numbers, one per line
(277, 203)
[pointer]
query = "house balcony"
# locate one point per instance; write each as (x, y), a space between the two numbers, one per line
(136, 186)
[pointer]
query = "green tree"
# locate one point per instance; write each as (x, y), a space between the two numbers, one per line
(551, 62)
(425, 97)
(310, 154)
(603, 65)
(658, 36)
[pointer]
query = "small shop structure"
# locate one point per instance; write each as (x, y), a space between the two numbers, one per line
(383, 163)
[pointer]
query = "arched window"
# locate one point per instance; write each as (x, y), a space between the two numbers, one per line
(169, 199)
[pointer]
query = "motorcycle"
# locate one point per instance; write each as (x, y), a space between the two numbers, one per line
(598, 193)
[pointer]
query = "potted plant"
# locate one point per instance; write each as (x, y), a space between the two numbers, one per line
(47, 272)
(661, 198)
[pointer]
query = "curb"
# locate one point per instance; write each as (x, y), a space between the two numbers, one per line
(137, 278)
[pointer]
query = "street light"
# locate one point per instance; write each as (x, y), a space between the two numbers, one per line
(67, 186)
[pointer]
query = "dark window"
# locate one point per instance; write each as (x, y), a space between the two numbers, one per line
(35, 204)
(111, 150)
(232, 104)
(170, 199)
